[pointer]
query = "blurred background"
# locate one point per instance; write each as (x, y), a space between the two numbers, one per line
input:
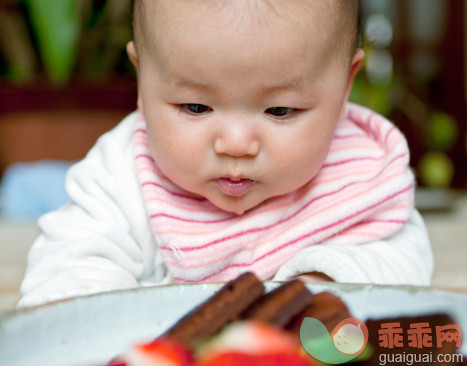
(65, 79)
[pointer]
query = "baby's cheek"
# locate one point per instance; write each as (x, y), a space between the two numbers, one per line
(172, 141)
(176, 163)
(177, 155)
(300, 159)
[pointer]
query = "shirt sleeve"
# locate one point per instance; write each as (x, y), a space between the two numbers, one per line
(404, 258)
(100, 240)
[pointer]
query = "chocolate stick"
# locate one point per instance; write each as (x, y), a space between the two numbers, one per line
(279, 306)
(326, 307)
(209, 317)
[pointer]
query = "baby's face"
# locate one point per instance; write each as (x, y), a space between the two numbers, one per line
(241, 102)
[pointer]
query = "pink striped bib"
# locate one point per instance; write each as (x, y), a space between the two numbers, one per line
(363, 192)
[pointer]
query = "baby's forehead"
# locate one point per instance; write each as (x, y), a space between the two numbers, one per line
(332, 21)
(325, 14)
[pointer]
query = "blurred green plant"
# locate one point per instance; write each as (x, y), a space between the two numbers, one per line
(65, 39)
(438, 130)
(57, 26)
(442, 131)
(375, 97)
(436, 169)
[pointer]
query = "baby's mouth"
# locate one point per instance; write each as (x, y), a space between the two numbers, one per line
(234, 186)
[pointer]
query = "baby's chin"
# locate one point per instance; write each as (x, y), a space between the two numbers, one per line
(234, 208)
(236, 205)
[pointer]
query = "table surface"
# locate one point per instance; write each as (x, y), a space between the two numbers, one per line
(447, 230)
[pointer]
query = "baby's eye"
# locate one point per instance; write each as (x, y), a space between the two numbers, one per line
(281, 112)
(195, 108)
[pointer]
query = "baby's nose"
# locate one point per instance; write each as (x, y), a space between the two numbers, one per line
(237, 139)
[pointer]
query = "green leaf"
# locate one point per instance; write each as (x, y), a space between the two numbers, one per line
(56, 23)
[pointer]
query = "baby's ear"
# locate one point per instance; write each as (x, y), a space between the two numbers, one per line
(355, 67)
(131, 51)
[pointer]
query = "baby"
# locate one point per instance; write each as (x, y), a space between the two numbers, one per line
(243, 155)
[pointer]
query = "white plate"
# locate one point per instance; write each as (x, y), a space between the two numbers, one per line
(87, 331)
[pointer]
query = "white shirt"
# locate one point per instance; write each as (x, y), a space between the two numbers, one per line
(101, 240)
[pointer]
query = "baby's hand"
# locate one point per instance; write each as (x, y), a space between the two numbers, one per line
(314, 277)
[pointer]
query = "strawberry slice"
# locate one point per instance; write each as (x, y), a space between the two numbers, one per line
(116, 363)
(252, 343)
(250, 337)
(160, 352)
(244, 359)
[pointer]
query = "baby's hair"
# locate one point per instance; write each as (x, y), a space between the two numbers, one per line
(355, 8)
(352, 10)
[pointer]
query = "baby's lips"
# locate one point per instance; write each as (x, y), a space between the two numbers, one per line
(232, 187)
